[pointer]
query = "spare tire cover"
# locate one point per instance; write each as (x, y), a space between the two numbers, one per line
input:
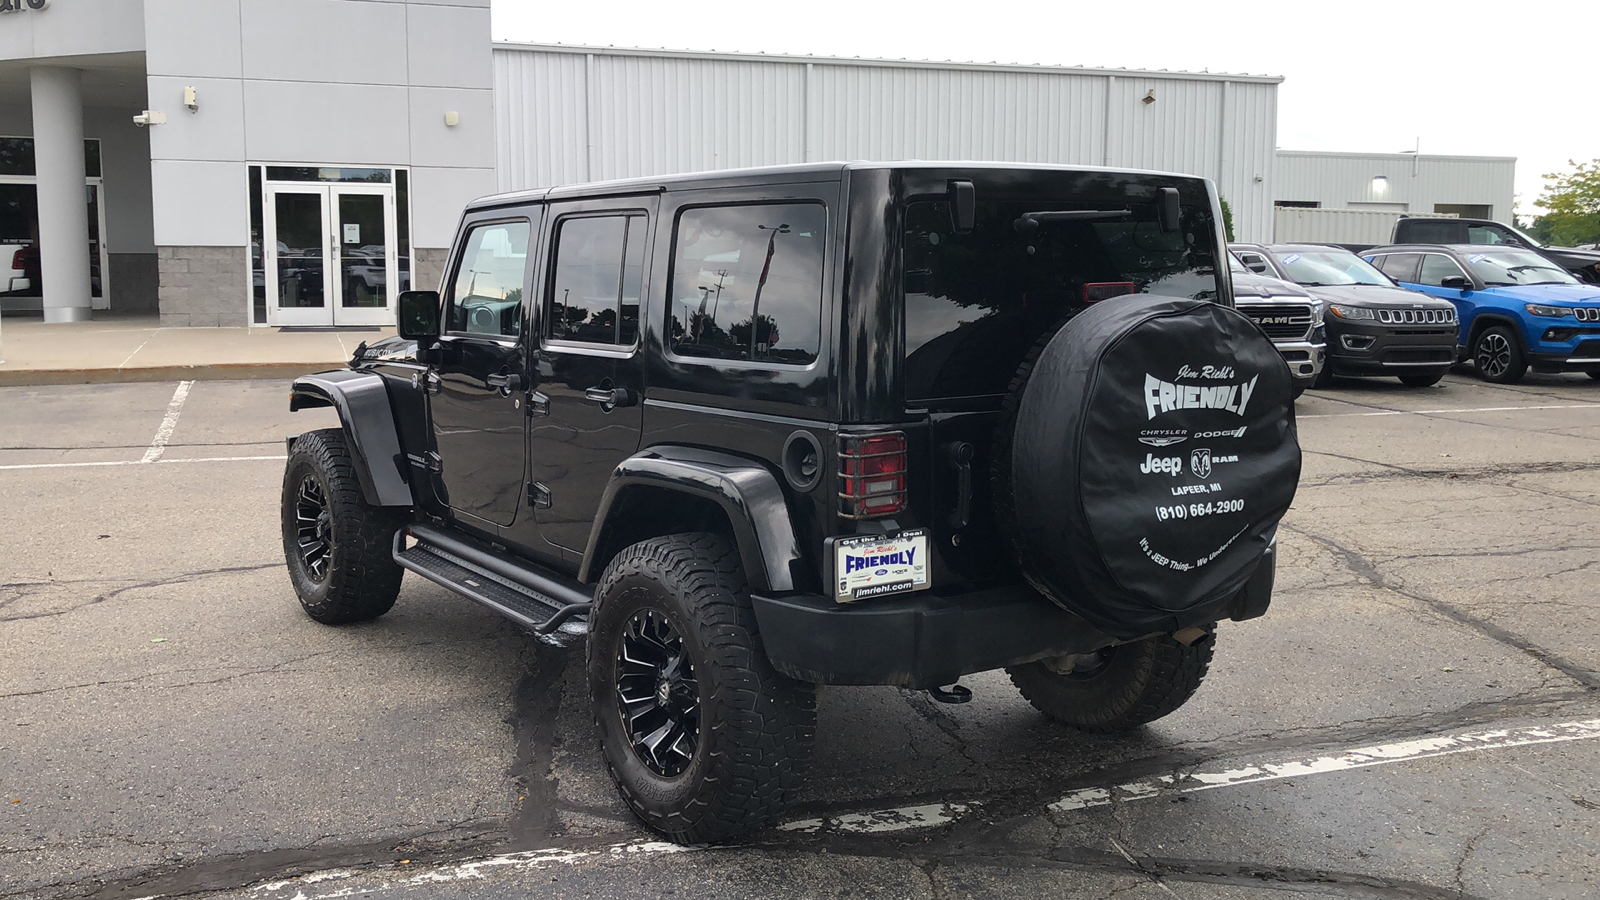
(1154, 454)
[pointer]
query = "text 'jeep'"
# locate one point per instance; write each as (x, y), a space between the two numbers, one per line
(760, 430)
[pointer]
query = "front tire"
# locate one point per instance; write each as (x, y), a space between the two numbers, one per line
(1497, 354)
(337, 546)
(1118, 688)
(704, 739)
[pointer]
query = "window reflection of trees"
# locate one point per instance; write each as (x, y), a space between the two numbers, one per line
(747, 283)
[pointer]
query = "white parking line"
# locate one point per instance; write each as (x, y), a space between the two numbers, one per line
(141, 462)
(467, 871)
(1435, 412)
(1359, 758)
(880, 821)
(164, 433)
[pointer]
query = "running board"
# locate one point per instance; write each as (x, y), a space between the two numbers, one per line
(537, 600)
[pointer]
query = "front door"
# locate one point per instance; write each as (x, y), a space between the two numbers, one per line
(589, 370)
(332, 251)
(479, 376)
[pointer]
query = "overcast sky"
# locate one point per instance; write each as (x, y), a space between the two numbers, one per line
(1502, 79)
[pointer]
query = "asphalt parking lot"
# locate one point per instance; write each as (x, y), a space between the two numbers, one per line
(1416, 717)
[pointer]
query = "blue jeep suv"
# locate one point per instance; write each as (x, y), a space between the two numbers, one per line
(1517, 309)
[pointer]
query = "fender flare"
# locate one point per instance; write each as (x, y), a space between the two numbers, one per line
(363, 404)
(746, 491)
(1488, 318)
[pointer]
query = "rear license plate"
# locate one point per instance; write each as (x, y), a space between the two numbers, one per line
(878, 565)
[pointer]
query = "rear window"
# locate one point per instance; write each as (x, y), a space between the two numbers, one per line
(976, 303)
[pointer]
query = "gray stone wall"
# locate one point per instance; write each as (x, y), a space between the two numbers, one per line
(429, 266)
(134, 281)
(204, 286)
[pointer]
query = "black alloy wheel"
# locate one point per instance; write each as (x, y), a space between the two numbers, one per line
(313, 528)
(337, 547)
(1498, 356)
(657, 693)
(704, 739)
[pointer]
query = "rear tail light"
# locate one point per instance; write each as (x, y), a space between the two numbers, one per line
(872, 475)
(17, 261)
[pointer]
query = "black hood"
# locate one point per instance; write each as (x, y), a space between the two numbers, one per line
(1375, 295)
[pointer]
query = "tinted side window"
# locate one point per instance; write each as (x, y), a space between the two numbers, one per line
(599, 268)
(747, 283)
(1490, 234)
(1436, 267)
(1432, 232)
(1399, 266)
(486, 296)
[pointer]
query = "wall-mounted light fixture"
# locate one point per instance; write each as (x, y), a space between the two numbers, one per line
(150, 117)
(1149, 97)
(191, 100)
(452, 118)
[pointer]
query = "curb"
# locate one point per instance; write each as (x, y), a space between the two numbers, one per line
(218, 372)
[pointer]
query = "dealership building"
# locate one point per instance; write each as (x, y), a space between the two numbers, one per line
(298, 163)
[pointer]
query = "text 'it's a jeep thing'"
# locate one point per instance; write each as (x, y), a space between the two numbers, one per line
(756, 431)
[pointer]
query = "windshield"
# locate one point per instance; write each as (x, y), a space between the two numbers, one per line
(1517, 267)
(1327, 267)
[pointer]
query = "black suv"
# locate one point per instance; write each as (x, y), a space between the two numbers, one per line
(762, 430)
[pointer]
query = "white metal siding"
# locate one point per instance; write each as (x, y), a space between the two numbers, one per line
(567, 115)
(1414, 184)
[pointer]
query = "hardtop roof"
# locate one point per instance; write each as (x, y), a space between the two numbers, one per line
(783, 174)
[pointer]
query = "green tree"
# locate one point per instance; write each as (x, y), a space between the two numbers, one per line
(1227, 220)
(1572, 204)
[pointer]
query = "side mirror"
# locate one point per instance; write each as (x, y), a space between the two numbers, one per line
(419, 315)
(1459, 282)
(963, 206)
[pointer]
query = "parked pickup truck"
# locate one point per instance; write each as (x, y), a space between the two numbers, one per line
(1585, 264)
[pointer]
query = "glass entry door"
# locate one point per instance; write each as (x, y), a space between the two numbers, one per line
(330, 254)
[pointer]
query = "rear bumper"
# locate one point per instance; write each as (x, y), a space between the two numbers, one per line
(927, 640)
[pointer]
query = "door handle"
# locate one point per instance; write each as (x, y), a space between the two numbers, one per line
(508, 383)
(610, 398)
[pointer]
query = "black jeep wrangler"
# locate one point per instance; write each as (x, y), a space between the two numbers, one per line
(761, 430)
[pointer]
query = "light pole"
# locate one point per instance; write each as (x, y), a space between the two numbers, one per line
(755, 312)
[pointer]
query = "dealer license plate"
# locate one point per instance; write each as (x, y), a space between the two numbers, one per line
(879, 565)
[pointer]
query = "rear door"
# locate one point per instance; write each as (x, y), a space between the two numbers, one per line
(475, 405)
(587, 374)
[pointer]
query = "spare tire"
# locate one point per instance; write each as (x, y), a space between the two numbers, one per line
(1148, 453)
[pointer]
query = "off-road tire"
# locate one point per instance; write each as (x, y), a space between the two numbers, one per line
(755, 728)
(1488, 356)
(1138, 683)
(1422, 381)
(359, 579)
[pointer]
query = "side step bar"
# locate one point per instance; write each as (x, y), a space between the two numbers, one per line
(540, 601)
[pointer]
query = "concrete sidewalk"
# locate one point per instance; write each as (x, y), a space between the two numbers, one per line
(135, 348)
